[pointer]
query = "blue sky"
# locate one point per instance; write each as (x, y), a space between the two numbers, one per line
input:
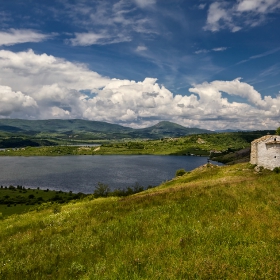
(201, 63)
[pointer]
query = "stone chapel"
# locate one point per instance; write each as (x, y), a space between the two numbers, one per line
(265, 151)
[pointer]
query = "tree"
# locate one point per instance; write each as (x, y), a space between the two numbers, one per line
(101, 190)
(180, 172)
(278, 131)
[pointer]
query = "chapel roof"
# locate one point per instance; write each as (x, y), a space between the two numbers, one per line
(264, 138)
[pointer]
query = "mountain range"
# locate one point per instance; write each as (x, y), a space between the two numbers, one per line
(84, 129)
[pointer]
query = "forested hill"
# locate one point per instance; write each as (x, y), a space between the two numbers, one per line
(84, 129)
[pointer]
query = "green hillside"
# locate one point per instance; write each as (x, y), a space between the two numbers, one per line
(167, 129)
(211, 223)
(59, 126)
(90, 130)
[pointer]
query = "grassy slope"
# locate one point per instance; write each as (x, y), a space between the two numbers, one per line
(213, 223)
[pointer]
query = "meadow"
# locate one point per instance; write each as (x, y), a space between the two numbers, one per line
(210, 223)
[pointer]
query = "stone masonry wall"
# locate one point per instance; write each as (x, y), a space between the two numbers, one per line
(254, 154)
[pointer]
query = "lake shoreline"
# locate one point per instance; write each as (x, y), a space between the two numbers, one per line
(82, 173)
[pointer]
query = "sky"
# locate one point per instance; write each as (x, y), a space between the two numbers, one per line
(212, 64)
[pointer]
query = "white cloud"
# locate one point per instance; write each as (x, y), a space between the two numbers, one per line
(201, 51)
(144, 3)
(221, 49)
(257, 6)
(201, 6)
(217, 13)
(16, 103)
(43, 86)
(27, 71)
(86, 39)
(107, 23)
(18, 36)
(259, 55)
(242, 13)
(91, 38)
(141, 48)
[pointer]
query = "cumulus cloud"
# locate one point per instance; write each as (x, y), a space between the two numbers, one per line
(18, 36)
(15, 103)
(254, 110)
(27, 72)
(242, 13)
(43, 86)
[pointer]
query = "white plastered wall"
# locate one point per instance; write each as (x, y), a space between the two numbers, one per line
(268, 152)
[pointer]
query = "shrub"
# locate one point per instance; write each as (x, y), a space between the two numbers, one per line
(276, 170)
(251, 166)
(102, 190)
(180, 172)
(77, 268)
(56, 209)
(137, 188)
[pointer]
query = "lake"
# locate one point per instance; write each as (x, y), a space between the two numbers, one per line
(82, 173)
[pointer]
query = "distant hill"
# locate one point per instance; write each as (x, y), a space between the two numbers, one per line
(168, 129)
(84, 129)
(227, 130)
(60, 126)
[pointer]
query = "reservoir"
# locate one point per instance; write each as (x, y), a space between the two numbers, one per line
(82, 173)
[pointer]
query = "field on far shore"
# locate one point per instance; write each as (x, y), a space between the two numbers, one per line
(222, 147)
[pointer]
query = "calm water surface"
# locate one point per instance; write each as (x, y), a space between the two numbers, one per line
(82, 173)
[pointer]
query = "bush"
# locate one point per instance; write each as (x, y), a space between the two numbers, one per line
(180, 172)
(56, 209)
(276, 170)
(101, 190)
(251, 166)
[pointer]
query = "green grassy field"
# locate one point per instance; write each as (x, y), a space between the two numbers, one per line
(211, 223)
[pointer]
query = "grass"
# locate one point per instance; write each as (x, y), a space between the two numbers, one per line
(212, 223)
